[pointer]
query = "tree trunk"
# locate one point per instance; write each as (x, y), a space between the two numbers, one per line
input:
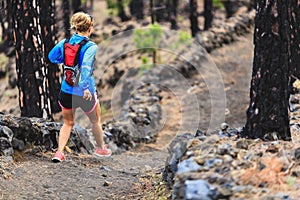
(121, 11)
(194, 17)
(208, 14)
(76, 6)
(7, 43)
(152, 12)
(66, 17)
(49, 39)
(267, 115)
(137, 9)
(172, 12)
(92, 4)
(231, 7)
(295, 40)
(30, 62)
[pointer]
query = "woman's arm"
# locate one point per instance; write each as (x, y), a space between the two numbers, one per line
(87, 66)
(56, 54)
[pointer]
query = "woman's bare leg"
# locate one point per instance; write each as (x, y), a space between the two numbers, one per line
(95, 118)
(65, 131)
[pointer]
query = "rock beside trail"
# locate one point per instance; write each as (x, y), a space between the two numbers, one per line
(226, 31)
(222, 165)
(35, 134)
(139, 119)
(226, 166)
(137, 124)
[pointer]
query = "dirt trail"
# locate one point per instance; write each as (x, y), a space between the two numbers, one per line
(130, 175)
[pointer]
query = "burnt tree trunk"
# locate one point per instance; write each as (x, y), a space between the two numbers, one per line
(208, 14)
(49, 39)
(7, 43)
(172, 13)
(194, 17)
(137, 9)
(66, 17)
(121, 11)
(267, 115)
(76, 6)
(152, 12)
(231, 7)
(30, 62)
(295, 40)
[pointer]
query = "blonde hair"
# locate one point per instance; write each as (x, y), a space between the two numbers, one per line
(81, 21)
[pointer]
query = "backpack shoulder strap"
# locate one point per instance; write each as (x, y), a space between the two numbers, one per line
(81, 43)
(83, 50)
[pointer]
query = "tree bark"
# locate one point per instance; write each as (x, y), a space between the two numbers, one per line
(231, 7)
(49, 33)
(152, 12)
(7, 43)
(208, 14)
(66, 17)
(295, 40)
(121, 11)
(137, 9)
(194, 17)
(76, 6)
(267, 115)
(30, 62)
(172, 12)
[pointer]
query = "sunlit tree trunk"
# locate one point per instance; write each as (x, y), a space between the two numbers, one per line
(274, 37)
(30, 63)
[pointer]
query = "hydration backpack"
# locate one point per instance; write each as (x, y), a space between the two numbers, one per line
(71, 61)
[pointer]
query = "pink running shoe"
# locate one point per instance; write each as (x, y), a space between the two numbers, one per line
(105, 152)
(58, 157)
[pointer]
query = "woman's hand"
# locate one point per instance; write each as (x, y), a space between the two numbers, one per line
(87, 95)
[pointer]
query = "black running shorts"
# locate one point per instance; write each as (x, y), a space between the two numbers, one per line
(69, 101)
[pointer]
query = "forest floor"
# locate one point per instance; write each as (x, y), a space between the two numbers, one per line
(135, 174)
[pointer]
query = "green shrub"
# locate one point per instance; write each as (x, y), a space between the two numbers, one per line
(184, 37)
(218, 4)
(112, 7)
(184, 40)
(111, 4)
(147, 40)
(144, 60)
